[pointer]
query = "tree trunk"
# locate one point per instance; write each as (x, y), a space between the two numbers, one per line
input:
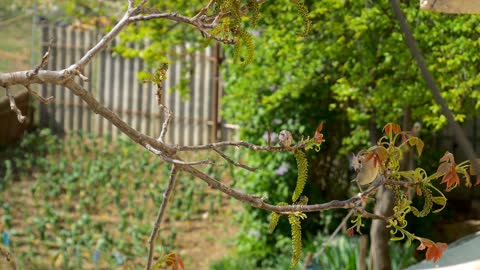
(379, 235)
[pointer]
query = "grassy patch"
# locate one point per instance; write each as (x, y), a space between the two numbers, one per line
(16, 44)
(86, 203)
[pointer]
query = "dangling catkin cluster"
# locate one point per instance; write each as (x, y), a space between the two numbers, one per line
(302, 166)
(296, 239)
(274, 219)
(427, 205)
(302, 9)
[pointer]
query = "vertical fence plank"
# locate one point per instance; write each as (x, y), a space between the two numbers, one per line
(71, 99)
(43, 107)
(149, 102)
(207, 94)
(62, 48)
(78, 102)
(92, 79)
(176, 105)
(52, 91)
(101, 89)
(135, 92)
(196, 98)
(187, 117)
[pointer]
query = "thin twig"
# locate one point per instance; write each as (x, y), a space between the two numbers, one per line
(248, 145)
(39, 97)
(165, 124)
(462, 140)
(13, 106)
(177, 161)
(173, 16)
(131, 4)
(203, 10)
(358, 209)
(233, 161)
(401, 183)
(340, 226)
(161, 212)
(367, 214)
(42, 64)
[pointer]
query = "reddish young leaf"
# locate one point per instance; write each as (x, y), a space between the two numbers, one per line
(350, 232)
(318, 134)
(171, 259)
(434, 250)
(443, 168)
(451, 178)
(180, 262)
(388, 128)
(391, 127)
(376, 159)
(397, 129)
(447, 157)
(382, 153)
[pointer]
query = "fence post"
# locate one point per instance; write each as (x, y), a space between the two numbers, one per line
(216, 88)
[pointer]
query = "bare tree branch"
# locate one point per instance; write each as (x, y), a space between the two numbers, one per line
(248, 145)
(165, 124)
(39, 97)
(203, 10)
(233, 161)
(161, 212)
(337, 230)
(42, 64)
(176, 161)
(13, 106)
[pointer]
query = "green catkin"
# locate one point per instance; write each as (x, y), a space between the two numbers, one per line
(296, 239)
(237, 50)
(274, 218)
(427, 205)
(273, 222)
(247, 39)
(302, 9)
(302, 166)
(253, 6)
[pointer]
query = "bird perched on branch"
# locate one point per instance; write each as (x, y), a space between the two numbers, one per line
(364, 163)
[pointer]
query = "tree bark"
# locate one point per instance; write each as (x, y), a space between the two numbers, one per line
(379, 235)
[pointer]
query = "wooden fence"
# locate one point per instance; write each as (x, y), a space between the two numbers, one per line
(113, 82)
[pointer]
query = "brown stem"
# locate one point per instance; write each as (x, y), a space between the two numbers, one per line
(161, 212)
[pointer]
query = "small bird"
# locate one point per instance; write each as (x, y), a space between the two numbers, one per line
(285, 138)
(367, 171)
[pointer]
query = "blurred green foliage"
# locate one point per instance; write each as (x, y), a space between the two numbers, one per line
(355, 73)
